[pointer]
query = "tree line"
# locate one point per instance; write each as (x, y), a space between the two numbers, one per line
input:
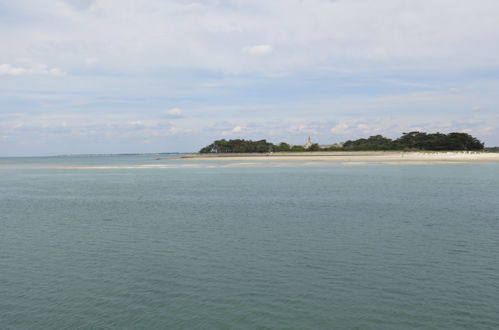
(418, 141)
(408, 141)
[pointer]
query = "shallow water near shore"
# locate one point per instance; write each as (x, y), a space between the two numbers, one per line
(128, 245)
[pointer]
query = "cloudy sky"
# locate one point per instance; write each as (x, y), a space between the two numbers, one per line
(119, 76)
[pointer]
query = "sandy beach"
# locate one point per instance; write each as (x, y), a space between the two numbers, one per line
(351, 158)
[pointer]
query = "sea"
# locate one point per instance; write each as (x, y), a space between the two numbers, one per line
(133, 242)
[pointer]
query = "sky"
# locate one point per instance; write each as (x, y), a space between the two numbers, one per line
(140, 76)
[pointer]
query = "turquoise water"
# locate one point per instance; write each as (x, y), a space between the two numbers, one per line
(364, 247)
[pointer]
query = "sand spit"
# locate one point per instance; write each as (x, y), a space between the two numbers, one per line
(193, 161)
(354, 158)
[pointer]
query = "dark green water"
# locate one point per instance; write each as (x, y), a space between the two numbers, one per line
(365, 247)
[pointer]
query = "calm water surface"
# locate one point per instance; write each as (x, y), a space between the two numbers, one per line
(364, 247)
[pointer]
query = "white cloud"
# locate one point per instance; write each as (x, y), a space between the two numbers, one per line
(340, 129)
(304, 129)
(235, 130)
(302, 35)
(258, 49)
(179, 130)
(174, 113)
(41, 132)
(9, 70)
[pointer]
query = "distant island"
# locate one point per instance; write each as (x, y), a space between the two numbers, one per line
(413, 141)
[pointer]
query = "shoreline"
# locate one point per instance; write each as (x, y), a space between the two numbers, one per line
(311, 159)
(289, 154)
(352, 158)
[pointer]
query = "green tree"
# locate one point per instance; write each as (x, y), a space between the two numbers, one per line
(298, 149)
(282, 147)
(314, 147)
(408, 141)
(238, 146)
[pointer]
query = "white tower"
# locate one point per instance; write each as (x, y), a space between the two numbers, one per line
(308, 144)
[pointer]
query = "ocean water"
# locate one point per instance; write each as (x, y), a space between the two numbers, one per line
(117, 243)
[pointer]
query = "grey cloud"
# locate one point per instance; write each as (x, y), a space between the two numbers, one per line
(301, 35)
(80, 4)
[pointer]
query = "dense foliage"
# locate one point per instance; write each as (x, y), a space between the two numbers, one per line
(238, 146)
(417, 141)
(408, 141)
